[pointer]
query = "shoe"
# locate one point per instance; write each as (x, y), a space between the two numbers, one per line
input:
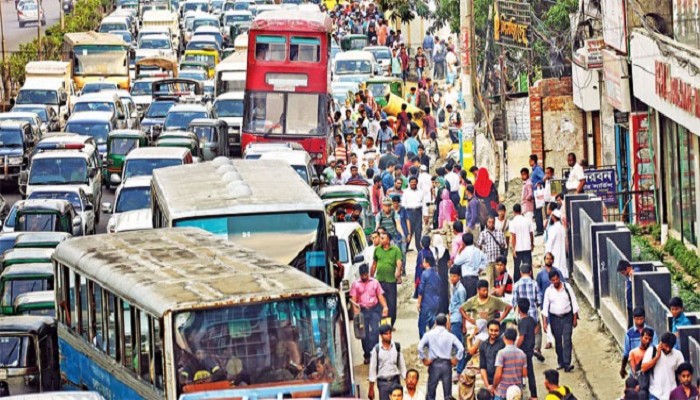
(366, 361)
(560, 367)
(539, 233)
(568, 368)
(539, 356)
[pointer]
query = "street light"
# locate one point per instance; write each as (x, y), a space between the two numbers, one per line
(4, 66)
(38, 29)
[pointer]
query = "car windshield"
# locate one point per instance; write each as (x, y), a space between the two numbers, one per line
(228, 108)
(70, 197)
(14, 288)
(17, 352)
(159, 109)
(37, 96)
(179, 120)
(58, 171)
(112, 26)
(94, 106)
(154, 43)
(194, 6)
(40, 111)
(205, 58)
(126, 36)
(381, 54)
(133, 198)
(122, 145)
(141, 89)
(99, 131)
(301, 171)
(231, 19)
(145, 166)
(204, 133)
(198, 23)
(194, 75)
(11, 138)
(37, 223)
(200, 45)
(6, 243)
(353, 67)
(98, 87)
(301, 339)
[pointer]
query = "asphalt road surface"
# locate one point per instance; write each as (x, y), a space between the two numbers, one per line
(14, 35)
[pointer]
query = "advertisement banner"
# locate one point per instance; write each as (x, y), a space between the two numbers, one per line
(617, 81)
(511, 23)
(615, 23)
(642, 169)
(602, 182)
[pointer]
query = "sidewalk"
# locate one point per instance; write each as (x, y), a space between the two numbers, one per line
(596, 357)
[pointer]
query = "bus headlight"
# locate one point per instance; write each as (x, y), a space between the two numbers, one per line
(14, 160)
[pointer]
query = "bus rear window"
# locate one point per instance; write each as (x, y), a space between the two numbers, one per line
(305, 49)
(270, 48)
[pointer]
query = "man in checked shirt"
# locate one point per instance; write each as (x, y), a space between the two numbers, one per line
(492, 242)
(526, 288)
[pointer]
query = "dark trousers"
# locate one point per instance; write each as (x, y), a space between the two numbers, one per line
(454, 196)
(415, 216)
(520, 257)
(384, 386)
(372, 317)
(630, 319)
(562, 329)
(469, 283)
(390, 296)
(440, 371)
(531, 384)
(539, 225)
(426, 320)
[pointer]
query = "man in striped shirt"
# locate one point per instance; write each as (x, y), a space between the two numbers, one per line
(511, 366)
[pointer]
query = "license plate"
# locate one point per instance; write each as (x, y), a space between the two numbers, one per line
(3, 374)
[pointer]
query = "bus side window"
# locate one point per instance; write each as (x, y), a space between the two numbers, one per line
(72, 304)
(145, 347)
(113, 323)
(60, 292)
(96, 323)
(129, 334)
(157, 341)
(83, 307)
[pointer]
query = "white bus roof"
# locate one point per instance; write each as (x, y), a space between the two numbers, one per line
(164, 270)
(231, 187)
(238, 61)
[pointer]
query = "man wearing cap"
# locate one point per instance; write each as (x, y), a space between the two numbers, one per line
(415, 201)
(439, 359)
(368, 299)
(387, 365)
(405, 227)
(386, 268)
(556, 243)
(390, 221)
(329, 171)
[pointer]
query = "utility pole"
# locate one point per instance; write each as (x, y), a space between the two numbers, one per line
(504, 114)
(5, 81)
(63, 15)
(468, 78)
(40, 16)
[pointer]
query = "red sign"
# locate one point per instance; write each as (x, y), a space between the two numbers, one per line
(466, 49)
(676, 91)
(642, 169)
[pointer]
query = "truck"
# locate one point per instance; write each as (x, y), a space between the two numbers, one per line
(50, 83)
(164, 18)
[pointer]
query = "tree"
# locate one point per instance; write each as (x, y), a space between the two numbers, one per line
(404, 11)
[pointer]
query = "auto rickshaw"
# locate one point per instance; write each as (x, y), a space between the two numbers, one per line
(40, 240)
(212, 135)
(48, 216)
(381, 86)
(344, 197)
(24, 278)
(35, 303)
(148, 66)
(30, 347)
(119, 144)
(354, 42)
(207, 56)
(187, 140)
(26, 256)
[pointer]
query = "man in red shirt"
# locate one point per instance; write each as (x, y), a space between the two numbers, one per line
(368, 300)
(405, 63)
(421, 63)
(402, 119)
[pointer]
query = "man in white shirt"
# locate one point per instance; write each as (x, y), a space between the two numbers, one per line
(452, 178)
(368, 252)
(560, 311)
(411, 392)
(425, 180)
(522, 238)
(663, 361)
(577, 178)
(415, 201)
(556, 243)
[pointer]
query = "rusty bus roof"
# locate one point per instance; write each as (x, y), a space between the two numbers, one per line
(93, 38)
(295, 21)
(165, 270)
(232, 187)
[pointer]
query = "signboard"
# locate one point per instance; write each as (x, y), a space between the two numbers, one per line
(686, 22)
(675, 90)
(615, 23)
(511, 23)
(590, 56)
(617, 80)
(466, 149)
(642, 169)
(602, 182)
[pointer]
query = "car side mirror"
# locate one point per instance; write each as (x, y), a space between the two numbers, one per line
(106, 208)
(315, 181)
(23, 177)
(77, 221)
(359, 259)
(115, 179)
(93, 172)
(333, 247)
(135, 114)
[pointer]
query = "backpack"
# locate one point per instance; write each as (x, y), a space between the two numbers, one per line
(484, 213)
(422, 101)
(398, 355)
(566, 396)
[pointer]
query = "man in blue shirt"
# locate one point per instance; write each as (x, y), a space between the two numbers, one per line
(428, 46)
(459, 297)
(399, 150)
(428, 295)
(471, 261)
(633, 337)
(626, 270)
(537, 180)
(388, 177)
(384, 136)
(675, 305)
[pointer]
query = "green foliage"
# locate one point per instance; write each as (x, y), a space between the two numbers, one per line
(404, 11)
(688, 259)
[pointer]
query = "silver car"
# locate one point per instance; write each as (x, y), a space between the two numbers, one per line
(29, 12)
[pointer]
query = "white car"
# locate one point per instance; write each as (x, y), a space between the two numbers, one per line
(134, 194)
(74, 195)
(136, 220)
(351, 244)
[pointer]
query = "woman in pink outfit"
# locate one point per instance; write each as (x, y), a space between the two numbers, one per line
(447, 212)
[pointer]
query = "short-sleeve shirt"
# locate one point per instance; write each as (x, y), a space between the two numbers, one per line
(367, 293)
(386, 263)
(526, 327)
(492, 307)
(487, 356)
(504, 279)
(512, 359)
(521, 228)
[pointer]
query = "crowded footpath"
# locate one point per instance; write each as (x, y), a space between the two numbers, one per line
(481, 328)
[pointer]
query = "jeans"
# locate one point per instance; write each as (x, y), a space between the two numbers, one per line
(531, 384)
(415, 216)
(520, 257)
(469, 283)
(440, 370)
(390, 296)
(426, 320)
(419, 72)
(404, 76)
(456, 329)
(372, 317)
(539, 226)
(403, 246)
(562, 329)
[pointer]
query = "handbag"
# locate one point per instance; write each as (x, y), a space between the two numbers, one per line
(502, 246)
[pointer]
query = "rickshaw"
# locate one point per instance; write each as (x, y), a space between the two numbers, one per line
(187, 65)
(40, 240)
(344, 197)
(26, 256)
(164, 64)
(187, 140)
(48, 216)
(35, 303)
(212, 135)
(30, 346)
(24, 278)
(119, 144)
(207, 56)
(381, 86)
(354, 42)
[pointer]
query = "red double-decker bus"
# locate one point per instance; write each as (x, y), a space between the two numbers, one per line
(288, 81)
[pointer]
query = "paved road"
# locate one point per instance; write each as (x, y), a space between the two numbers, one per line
(14, 35)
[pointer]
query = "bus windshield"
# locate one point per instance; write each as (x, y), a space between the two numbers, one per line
(286, 113)
(293, 238)
(17, 352)
(133, 198)
(145, 167)
(256, 344)
(98, 131)
(100, 60)
(58, 171)
(37, 96)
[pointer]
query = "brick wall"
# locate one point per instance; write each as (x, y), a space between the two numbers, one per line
(540, 91)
